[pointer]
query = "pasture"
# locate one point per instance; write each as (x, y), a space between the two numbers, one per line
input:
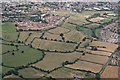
(74, 36)
(31, 73)
(109, 47)
(48, 45)
(51, 36)
(21, 57)
(58, 30)
(32, 36)
(23, 36)
(95, 58)
(7, 48)
(55, 60)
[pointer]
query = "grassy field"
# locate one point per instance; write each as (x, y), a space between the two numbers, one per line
(99, 52)
(5, 69)
(50, 36)
(9, 32)
(31, 73)
(58, 31)
(7, 48)
(110, 47)
(23, 36)
(55, 60)
(21, 58)
(53, 45)
(66, 73)
(92, 25)
(74, 36)
(95, 58)
(32, 36)
(82, 65)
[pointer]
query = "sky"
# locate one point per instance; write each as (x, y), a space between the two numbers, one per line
(62, 0)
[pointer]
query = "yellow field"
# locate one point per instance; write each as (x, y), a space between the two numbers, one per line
(66, 73)
(95, 58)
(54, 60)
(35, 43)
(99, 52)
(52, 36)
(96, 19)
(110, 47)
(23, 36)
(32, 36)
(54, 45)
(82, 65)
(74, 36)
(59, 30)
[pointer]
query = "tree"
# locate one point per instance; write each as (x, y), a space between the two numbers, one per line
(22, 51)
(13, 53)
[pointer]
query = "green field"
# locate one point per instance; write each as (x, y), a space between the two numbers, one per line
(20, 59)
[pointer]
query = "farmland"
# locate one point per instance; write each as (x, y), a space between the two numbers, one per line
(23, 55)
(55, 60)
(71, 49)
(82, 65)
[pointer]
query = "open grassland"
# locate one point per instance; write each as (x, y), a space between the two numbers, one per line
(53, 45)
(32, 36)
(97, 19)
(74, 36)
(83, 65)
(23, 36)
(7, 48)
(110, 47)
(95, 58)
(50, 36)
(31, 73)
(59, 30)
(55, 60)
(21, 57)
(66, 73)
(9, 32)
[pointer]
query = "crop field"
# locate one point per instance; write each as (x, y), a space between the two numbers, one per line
(58, 31)
(110, 47)
(55, 60)
(111, 72)
(66, 73)
(32, 36)
(74, 36)
(97, 19)
(7, 48)
(51, 36)
(23, 57)
(55, 46)
(99, 52)
(23, 36)
(31, 73)
(83, 65)
(95, 58)
(12, 76)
